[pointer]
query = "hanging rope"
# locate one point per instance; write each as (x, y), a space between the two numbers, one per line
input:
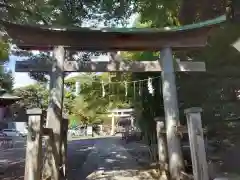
(103, 90)
(140, 88)
(137, 88)
(150, 86)
(134, 90)
(129, 82)
(126, 88)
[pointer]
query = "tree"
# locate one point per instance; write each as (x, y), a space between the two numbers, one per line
(85, 114)
(85, 108)
(60, 12)
(217, 90)
(6, 80)
(4, 48)
(65, 13)
(33, 96)
(218, 52)
(108, 12)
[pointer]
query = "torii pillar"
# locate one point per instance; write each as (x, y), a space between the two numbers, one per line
(53, 164)
(171, 110)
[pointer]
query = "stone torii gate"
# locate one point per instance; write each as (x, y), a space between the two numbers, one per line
(166, 40)
(119, 113)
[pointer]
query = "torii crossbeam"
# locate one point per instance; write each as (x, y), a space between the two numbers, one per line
(136, 66)
(165, 40)
(31, 37)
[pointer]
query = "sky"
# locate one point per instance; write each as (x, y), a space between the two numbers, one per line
(23, 79)
(20, 79)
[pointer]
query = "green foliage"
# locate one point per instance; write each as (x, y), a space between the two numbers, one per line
(4, 48)
(87, 113)
(33, 96)
(160, 13)
(6, 80)
(73, 121)
(67, 12)
(110, 12)
(152, 13)
(91, 106)
(219, 99)
(219, 51)
(87, 108)
(68, 102)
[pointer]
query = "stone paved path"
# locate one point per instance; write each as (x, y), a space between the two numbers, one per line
(109, 160)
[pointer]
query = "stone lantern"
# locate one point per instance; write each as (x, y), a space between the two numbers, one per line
(6, 100)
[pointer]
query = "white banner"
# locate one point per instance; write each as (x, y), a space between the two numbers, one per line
(89, 130)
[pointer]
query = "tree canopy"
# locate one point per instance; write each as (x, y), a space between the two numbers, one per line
(4, 48)
(152, 13)
(93, 102)
(87, 107)
(33, 96)
(6, 80)
(111, 12)
(67, 12)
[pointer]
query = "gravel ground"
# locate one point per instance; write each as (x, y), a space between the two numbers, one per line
(12, 161)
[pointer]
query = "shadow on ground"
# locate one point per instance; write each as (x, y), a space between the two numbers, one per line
(112, 160)
(100, 158)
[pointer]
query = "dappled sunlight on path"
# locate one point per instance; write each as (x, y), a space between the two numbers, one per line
(90, 159)
(111, 161)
